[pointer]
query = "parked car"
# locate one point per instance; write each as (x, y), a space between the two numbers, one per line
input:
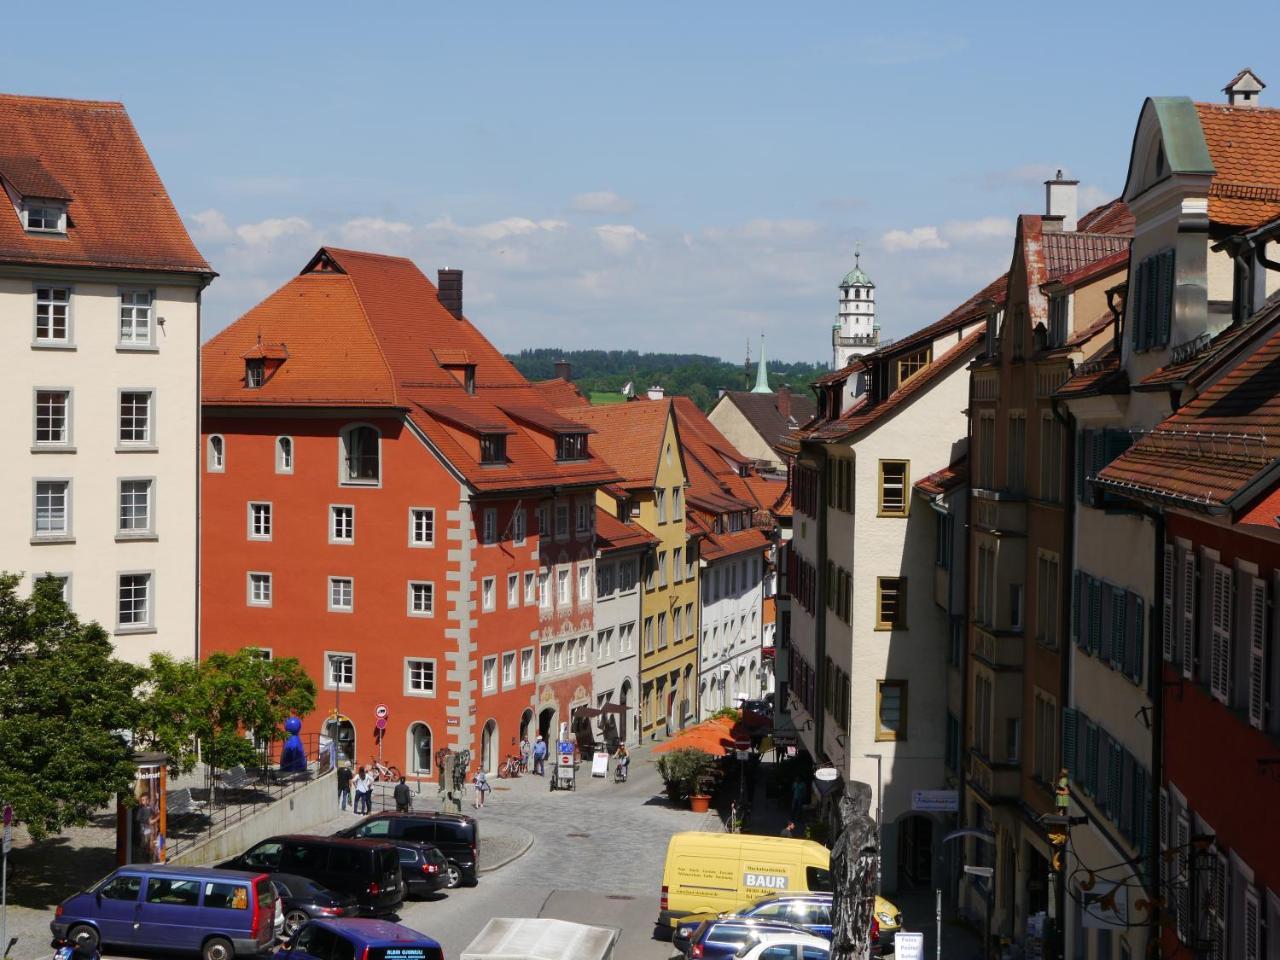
(424, 868)
(302, 899)
(219, 914)
(366, 869)
(456, 836)
(363, 939)
(722, 939)
(813, 912)
(798, 947)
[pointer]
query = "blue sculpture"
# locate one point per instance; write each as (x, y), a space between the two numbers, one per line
(293, 758)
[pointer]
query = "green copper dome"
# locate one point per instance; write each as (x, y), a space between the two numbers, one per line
(855, 277)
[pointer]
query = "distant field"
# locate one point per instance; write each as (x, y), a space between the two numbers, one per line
(599, 397)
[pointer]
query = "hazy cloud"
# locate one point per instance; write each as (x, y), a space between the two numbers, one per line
(917, 238)
(209, 225)
(988, 228)
(271, 229)
(619, 237)
(601, 201)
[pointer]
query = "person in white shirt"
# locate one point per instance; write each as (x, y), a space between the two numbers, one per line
(364, 793)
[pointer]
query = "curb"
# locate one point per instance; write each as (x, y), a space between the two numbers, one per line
(513, 857)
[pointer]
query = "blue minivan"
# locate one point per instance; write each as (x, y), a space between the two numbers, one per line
(359, 939)
(219, 914)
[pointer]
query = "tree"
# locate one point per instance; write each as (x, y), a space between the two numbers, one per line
(66, 706)
(209, 709)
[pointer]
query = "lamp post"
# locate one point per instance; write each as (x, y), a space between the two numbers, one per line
(879, 759)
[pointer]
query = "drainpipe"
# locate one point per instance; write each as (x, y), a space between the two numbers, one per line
(1064, 645)
(963, 815)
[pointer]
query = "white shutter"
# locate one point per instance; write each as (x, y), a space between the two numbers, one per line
(1183, 884)
(1167, 602)
(1218, 907)
(1257, 651)
(1252, 933)
(1188, 614)
(1162, 829)
(1220, 628)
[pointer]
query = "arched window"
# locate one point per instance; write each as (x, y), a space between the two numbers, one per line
(284, 454)
(217, 454)
(420, 749)
(361, 462)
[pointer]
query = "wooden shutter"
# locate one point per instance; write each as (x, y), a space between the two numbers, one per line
(1133, 644)
(1166, 604)
(1095, 614)
(1069, 748)
(1115, 781)
(1182, 842)
(1220, 642)
(1077, 600)
(1164, 297)
(1257, 651)
(1162, 834)
(1188, 646)
(1252, 934)
(1091, 758)
(1119, 610)
(1219, 908)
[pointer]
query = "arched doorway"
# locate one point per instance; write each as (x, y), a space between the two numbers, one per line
(489, 747)
(740, 687)
(673, 710)
(419, 750)
(545, 720)
(703, 703)
(526, 721)
(688, 705)
(915, 851)
(343, 732)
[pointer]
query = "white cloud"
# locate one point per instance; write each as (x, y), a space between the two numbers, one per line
(988, 228)
(497, 229)
(917, 238)
(601, 201)
(209, 225)
(766, 229)
(272, 229)
(619, 237)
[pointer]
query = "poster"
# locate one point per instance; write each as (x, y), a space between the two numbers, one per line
(148, 814)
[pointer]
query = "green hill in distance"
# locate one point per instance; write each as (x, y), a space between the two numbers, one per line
(601, 374)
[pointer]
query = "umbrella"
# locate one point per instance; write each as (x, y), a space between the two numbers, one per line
(713, 736)
(613, 708)
(587, 712)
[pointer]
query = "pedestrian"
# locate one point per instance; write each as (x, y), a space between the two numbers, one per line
(623, 758)
(525, 751)
(364, 792)
(789, 830)
(539, 756)
(481, 783)
(404, 799)
(344, 785)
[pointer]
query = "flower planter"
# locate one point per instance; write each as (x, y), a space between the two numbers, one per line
(699, 803)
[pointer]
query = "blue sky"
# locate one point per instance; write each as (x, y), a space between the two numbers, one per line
(660, 176)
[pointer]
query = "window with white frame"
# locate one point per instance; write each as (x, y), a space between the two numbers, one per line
(677, 504)
(519, 527)
(489, 674)
(604, 579)
(422, 598)
(135, 418)
(526, 664)
(259, 520)
(63, 580)
(53, 418)
(584, 582)
(342, 523)
(135, 515)
(134, 601)
(489, 526)
(562, 521)
(677, 618)
(339, 671)
(562, 588)
(662, 568)
(53, 316)
(586, 511)
(513, 590)
(422, 526)
(648, 634)
(361, 455)
(52, 513)
(660, 500)
(662, 630)
(530, 590)
(559, 656)
(44, 216)
(488, 589)
(508, 670)
(677, 564)
(544, 520)
(602, 645)
(341, 594)
(627, 575)
(544, 590)
(419, 677)
(135, 318)
(689, 622)
(216, 460)
(284, 454)
(259, 589)
(545, 658)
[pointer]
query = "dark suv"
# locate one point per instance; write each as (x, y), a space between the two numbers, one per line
(456, 836)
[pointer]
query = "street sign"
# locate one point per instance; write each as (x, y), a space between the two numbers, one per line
(742, 743)
(381, 711)
(8, 814)
(908, 946)
(935, 801)
(979, 871)
(380, 723)
(8, 838)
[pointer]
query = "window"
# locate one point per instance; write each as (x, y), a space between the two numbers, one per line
(513, 590)
(422, 598)
(1047, 600)
(216, 458)
(341, 594)
(135, 514)
(893, 488)
(259, 521)
(526, 664)
(586, 514)
(1050, 459)
(677, 564)
(944, 527)
(53, 316)
(44, 217)
(662, 630)
(133, 601)
(508, 670)
(691, 563)
(986, 449)
(545, 655)
(488, 591)
(648, 634)
(891, 603)
(489, 526)
(571, 446)
(1151, 306)
(688, 619)
(340, 671)
(677, 504)
(255, 372)
(1015, 606)
(660, 500)
(342, 524)
(422, 527)
(135, 418)
(259, 589)
(52, 509)
(562, 521)
(1058, 319)
(1046, 734)
(493, 448)
(891, 710)
(284, 454)
(604, 579)
(172, 891)
(562, 588)
(584, 582)
(360, 455)
(544, 590)
(135, 318)
(1220, 612)
(662, 568)
(530, 593)
(64, 584)
(519, 525)
(912, 364)
(1016, 464)
(544, 520)
(53, 420)
(983, 694)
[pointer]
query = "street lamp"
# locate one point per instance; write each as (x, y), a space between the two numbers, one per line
(879, 759)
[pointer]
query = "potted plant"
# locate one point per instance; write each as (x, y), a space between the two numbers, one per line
(681, 772)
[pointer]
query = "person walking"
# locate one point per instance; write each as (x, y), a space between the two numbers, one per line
(539, 757)
(481, 782)
(344, 785)
(525, 751)
(404, 799)
(364, 792)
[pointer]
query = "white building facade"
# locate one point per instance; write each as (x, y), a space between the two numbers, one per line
(616, 662)
(732, 624)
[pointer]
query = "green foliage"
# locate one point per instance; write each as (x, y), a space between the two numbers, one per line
(215, 702)
(682, 769)
(599, 372)
(726, 713)
(65, 707)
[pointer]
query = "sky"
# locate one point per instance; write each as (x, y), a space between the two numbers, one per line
(653, 176)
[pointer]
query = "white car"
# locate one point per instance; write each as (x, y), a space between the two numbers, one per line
(787, 946)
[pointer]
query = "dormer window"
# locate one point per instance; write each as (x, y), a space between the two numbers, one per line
(42, 216)
(255, 373)
(493, 448)
(571, 446)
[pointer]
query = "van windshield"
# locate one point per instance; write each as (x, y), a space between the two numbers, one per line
(819, 880)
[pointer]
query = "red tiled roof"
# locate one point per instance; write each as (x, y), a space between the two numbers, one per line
(88, 152)
(1069, 253)
(1264, 511)
(944, 480)
(1101, 375)
(1114, 216)
(717, 546)
(612, 534)
(1113, 263)
(770, 494)
(628, 436)
(1085, 334)
(560, 393)
(1244, 144)
(763, 412)
(1204, 360)
(267, 351)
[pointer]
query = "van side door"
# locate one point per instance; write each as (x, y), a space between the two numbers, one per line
(119, 903)
(170, 914)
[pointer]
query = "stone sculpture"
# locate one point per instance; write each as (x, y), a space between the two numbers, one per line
(855, 865)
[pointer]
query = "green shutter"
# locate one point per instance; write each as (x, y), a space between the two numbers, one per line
(1069, 747)
(1137, 617)
(1135, 310)
(1095, 614)
(1106, 625)
(1090, 756)
(1115, 765)
(1077, 598)
(1164, 297)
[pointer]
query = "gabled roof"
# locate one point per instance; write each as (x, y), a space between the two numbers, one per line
(628, 436)
(1069, 252)
(1099, 376)
(88, 153)
(1204, 355)
(945, 480)
(560, 393)
(770, 494)
(1114, 216)
(762, 411)
(614, 535)
(1244, 143)
(718, 546)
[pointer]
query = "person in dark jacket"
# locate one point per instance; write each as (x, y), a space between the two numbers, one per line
(404, 799)
(344, 786)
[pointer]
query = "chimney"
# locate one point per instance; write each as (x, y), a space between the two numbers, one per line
(656, 393)
(564, 371)
(1060, 200)
(449, 290)
(1244, 88)
(784, 403)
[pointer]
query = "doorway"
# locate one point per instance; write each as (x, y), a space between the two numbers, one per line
(489, 747)
(526, 720)
(545, 719)
(420, 749)
(915, 851)
(342, 732)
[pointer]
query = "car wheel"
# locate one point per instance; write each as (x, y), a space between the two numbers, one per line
(452, 876)
(293, 921)
(218, 948)
(84, 934)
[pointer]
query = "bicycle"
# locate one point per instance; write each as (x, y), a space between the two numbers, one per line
(510, 767)
(383, 771)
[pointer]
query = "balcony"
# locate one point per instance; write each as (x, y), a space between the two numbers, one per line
(873, 340)
(1002, 513)
(1000, 651)
(998, 781)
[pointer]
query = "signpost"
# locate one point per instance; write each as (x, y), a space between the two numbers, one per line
(4, 879)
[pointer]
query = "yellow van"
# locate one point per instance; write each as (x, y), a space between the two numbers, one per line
(714, 872)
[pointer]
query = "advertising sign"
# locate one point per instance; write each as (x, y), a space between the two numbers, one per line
(908, 946)
(935, 801)
(764, 881)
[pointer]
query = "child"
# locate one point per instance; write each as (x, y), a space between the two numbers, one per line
(481, 783)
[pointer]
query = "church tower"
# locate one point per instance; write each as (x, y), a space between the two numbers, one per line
(856, 331)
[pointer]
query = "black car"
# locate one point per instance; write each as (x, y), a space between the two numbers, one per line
(304, 899)
(424, 868)
(365, 869)
(456, 836)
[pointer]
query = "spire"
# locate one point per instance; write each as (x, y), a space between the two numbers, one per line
(762, 375)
